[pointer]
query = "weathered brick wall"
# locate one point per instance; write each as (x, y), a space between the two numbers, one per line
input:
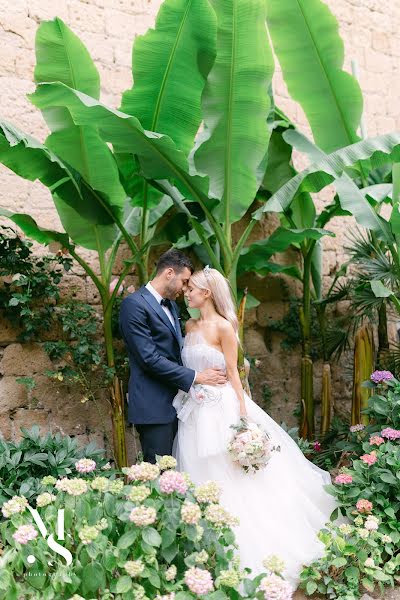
(107, 27)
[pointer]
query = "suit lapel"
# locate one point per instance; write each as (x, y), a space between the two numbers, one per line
(160, 311)
(177, 324)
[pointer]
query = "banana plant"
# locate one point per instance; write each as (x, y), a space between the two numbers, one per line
(194, 130)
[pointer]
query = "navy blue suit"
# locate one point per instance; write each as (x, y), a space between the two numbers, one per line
(156, 370)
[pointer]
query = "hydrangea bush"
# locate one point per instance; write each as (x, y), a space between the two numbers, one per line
(364, 551)
(151, 535)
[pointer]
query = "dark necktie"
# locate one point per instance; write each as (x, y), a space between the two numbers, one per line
(166, 302)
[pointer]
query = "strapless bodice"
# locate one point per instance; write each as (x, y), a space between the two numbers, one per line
(199, 355)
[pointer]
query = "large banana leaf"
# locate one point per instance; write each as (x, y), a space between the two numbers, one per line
(83, 213)
(310, 51)
(255, 256)
(61, 56)
(169, 66)
(157, 154)
(331, 167)
(29, 226)
(236, 106)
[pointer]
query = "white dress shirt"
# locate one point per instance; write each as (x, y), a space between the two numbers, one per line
(158, 297)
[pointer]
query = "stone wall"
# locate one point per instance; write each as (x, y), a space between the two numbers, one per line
(107, 27)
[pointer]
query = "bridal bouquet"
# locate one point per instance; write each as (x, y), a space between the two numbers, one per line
(250, 447)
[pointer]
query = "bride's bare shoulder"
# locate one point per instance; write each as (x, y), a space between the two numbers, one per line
(190, 325)
(225, 329)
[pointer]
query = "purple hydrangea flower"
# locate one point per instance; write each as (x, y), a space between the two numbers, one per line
(381, 376)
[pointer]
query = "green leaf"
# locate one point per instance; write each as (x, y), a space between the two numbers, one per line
(157, 154)
(236, 107)
(151, 536)
(388, 477)
(170, 552)
(33, 231)
(255, 256)
(61, 56)
(93, 578)
(368, 584)
(127, 539)
(340, 561)
(279, 168)
(380, 290)
(310, 51)
(311, 587)
(169, 66)
(123, 584)
(331, 167)
(31, 160)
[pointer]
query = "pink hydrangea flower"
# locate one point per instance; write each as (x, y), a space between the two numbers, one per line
(25, 533)
(390, 434)
(343, 478)
(376, 440)
(199, 581)
(364, 506)
(381, 376)
(369, 459)
(276, 588)
(172, 481)
(85, 465)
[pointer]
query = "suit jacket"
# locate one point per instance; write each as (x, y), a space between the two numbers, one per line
(154, 349)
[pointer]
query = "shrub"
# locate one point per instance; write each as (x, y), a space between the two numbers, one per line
(23, 464)
(157, 537)
(365, 549)
(354, 555)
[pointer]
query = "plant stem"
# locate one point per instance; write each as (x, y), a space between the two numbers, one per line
(118, 418)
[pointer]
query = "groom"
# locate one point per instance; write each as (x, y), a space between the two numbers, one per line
(151, 329)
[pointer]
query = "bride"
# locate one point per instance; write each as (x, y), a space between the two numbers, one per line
(282, 507)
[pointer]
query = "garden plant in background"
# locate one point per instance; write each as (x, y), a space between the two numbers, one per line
(363, 551)
(23, 464)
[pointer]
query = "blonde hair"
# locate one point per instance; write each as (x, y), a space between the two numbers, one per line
(221, 295)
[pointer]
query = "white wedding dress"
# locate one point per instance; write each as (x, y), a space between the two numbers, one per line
(282, 507)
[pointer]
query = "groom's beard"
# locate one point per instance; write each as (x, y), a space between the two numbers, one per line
(171, 292)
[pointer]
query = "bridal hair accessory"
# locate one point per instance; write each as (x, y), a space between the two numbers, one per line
(251, 447)
(207, 271)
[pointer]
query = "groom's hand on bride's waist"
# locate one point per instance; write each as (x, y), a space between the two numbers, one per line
(211, 377)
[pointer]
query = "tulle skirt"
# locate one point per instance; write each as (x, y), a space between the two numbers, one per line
(281, 508)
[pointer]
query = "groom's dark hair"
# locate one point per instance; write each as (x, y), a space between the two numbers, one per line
(174, 259)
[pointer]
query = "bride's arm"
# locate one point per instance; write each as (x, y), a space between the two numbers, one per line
(229, 346)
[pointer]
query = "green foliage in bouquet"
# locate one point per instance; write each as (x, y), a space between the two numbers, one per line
(158, 537)
(365, 550)
(23, 464)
